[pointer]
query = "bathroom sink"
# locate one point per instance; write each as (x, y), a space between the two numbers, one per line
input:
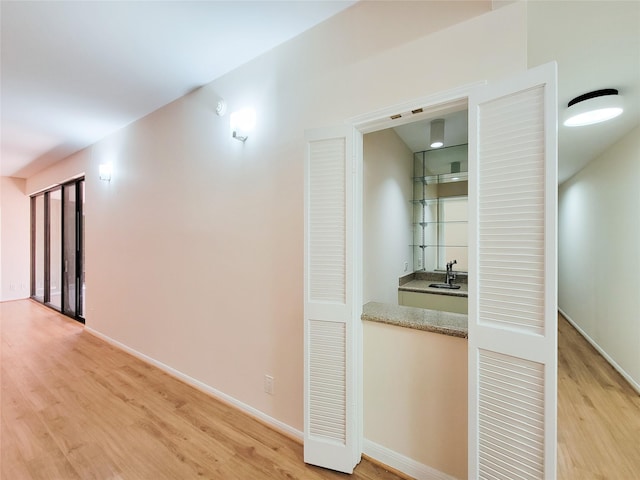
(444, 285)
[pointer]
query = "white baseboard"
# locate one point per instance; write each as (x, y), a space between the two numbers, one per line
(635, 385)
(404, 464)
(14, 298)
(263, 417)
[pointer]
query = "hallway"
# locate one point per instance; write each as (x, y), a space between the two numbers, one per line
(74, 407)
(598, 414)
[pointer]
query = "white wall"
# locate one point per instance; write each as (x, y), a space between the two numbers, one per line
(387, 233)
(195, 248)
(15, 227)
(415, 395)
(599, 264)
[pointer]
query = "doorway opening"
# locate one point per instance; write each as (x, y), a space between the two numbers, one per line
(415, 203)
(414, 222)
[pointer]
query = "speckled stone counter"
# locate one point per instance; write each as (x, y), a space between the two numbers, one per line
(446, 323)
(420, 281)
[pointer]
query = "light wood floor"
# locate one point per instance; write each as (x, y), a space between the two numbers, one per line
(73, 407)
(598, 414)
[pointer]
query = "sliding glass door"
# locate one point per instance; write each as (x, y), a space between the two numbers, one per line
(55, 248)
(57, 256)
(37, 247)
(70, 250)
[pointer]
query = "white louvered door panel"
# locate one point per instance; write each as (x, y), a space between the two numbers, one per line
(330, 423)
(512, 291)
(327, 368)
(327, 221)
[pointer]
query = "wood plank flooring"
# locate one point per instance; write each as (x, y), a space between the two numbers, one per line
(74, 407)
(598, 414)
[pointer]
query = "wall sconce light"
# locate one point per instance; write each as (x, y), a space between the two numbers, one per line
(593, 107)
(437, 133)
(242, 123)
(104, 171)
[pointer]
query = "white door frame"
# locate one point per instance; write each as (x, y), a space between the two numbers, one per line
(333, 280)
(411, 111)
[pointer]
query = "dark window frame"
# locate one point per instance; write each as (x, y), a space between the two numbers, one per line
(79, 184)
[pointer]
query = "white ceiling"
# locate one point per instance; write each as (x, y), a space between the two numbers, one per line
(417, 135)
(596, 45)
(73, 72)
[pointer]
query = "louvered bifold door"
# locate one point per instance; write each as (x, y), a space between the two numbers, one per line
(512, 294)
(329, 423)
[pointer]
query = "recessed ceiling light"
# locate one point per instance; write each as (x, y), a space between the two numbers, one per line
(593, 107)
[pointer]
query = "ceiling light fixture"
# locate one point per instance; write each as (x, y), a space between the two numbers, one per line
(437, 133)
(593, 107)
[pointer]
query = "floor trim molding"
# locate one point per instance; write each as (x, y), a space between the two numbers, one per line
(255, 413)
(605, 355)
(401, 463)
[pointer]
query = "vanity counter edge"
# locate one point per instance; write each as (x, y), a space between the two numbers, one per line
(445, 323)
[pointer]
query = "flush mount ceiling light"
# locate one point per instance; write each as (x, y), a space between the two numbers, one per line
(437, 133)
(593, 107)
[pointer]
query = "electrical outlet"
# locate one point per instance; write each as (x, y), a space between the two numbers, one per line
(268, 384)
(406, 266)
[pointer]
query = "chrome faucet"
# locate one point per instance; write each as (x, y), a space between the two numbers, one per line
(450, 275)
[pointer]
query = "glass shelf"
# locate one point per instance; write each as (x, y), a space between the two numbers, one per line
(425, 201)
(443, 178)
(439, 207)
(449, 222)
(436, 246)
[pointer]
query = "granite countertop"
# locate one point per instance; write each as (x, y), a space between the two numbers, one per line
(420, 281)
(446, 323)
